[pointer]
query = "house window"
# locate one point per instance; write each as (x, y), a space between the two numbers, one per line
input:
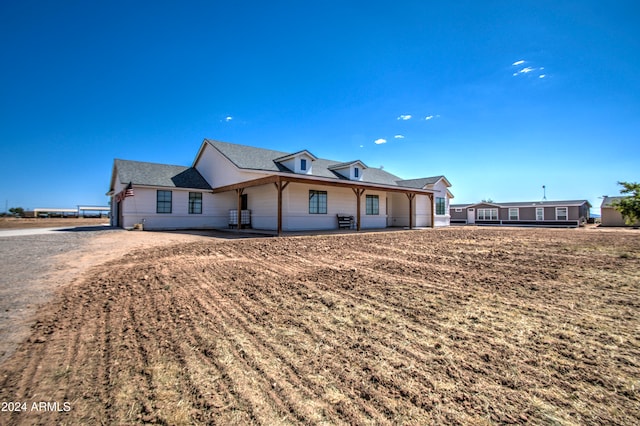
(458, 210)
(539, 213)
(487, 214)
(440, 205)
(303, 164)
(195, 203)
(356, 172)
(561, 213)
(163, 202)
(514, 213)
(317, 202)
(373, 204)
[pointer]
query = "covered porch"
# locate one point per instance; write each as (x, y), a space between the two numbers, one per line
(277, 199)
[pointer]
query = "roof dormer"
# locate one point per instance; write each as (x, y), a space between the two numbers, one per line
(351, 170)
(300, 162)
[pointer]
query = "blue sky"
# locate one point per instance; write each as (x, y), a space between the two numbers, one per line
(501, 97)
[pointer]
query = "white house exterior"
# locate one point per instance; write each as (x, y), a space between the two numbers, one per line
(275, 190)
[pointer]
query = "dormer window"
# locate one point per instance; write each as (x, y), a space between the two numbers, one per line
(351, 170)
(298, 162)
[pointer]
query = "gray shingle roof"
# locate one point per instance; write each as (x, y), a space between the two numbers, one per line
(248, 157)
(561, 203)
(154, 174)
(419, 183)
(606, 201)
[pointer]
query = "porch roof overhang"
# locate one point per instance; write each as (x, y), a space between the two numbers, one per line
(274, 178)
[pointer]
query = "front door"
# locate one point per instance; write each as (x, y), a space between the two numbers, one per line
(119, 214)
(471, 216)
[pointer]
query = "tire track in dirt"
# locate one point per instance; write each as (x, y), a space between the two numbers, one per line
(371, 348)
(262, 345)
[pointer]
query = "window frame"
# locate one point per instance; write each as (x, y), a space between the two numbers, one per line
(318, 201)
(161, 204)
(481, 214)
(195, 202)
(372, 208)
(516, 210)
(303, 164)
(539, 217)
(441, 206)
(566, 215)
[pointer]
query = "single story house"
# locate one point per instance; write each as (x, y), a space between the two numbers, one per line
(610, 216)
(528, 213)
(272, 190)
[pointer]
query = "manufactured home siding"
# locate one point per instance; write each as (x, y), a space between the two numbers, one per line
(458, 216)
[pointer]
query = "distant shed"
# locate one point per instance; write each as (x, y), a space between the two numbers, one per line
(611, 216)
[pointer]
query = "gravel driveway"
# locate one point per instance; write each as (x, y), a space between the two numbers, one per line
(28, 259)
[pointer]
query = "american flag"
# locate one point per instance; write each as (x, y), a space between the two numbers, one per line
(128, 192)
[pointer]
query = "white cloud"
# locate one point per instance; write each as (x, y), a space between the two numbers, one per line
(380, 141)
(526, 70)
(399, 136)
(405, 117)
(429, 117)
(228, 118)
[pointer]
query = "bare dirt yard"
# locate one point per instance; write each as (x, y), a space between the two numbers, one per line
(446, 326)
(24, 223)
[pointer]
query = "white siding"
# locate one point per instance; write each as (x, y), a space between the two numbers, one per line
(399, 209)
(440, 190)
(141, 208)
(373, 221)
(423, 208)
(218, 171)
(263, 203)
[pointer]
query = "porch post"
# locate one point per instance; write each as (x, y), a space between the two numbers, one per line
(239, 191)
(433, 216)
(410, 196)
(358, 192)
(280, 186)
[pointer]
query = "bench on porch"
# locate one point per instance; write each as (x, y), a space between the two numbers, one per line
(344, 221)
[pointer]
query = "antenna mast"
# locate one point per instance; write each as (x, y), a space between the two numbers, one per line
(544, 192)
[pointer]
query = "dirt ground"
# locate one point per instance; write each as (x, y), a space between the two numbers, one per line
(453, 326)
(26, 223)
